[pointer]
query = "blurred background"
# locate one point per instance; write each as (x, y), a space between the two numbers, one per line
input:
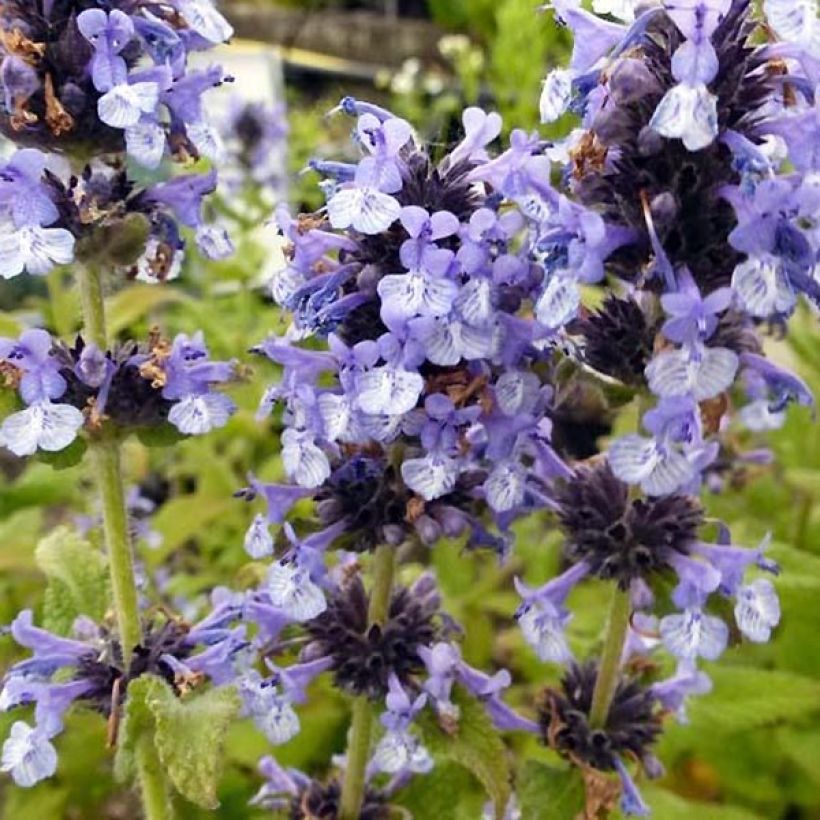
(752, 747)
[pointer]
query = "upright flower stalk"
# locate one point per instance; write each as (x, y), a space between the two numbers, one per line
(358, 747)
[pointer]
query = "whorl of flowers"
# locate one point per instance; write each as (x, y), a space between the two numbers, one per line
(87, 669)
(428, 408)
(690, 184)
(65, 389)
(81, 79)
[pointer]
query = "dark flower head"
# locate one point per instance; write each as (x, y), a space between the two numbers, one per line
(320, 801)
(680, 187)
(85, 80)
(108, 675)
(365, 657)
(618, 339)
(620, 538)
(632, 725)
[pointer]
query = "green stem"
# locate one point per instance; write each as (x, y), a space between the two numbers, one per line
(105, 454)
(609, 671)
(361, 725)
(155, 800)
(91, 297)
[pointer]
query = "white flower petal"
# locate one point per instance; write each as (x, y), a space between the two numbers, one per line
(205, 20)
(559, 302)
(432, 476)
(762, 288)
(145, 142)
(389, 390)
(504, 487)
(365, 209)
(198, 414)
(123, 105)
(258, 540)
(687, 112)
(692, 633)
(304, 462)
(44, 425)
(290, 589)
(556, 91)
(757, 610)
(28, 755)
(516, 392)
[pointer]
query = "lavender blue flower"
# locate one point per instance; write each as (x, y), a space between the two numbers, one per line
(88, 669)
(80, 79)
(65, 389)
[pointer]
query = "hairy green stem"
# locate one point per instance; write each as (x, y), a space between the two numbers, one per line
(609, 671)
(156, 802)
(91, 297)
(361, 725)
(105, 460)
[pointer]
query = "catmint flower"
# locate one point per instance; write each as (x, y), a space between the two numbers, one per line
(88, 670)
(364, 658)
(632, 726)
(78, 79)
(399, 750)
(68, 388)
(303, 798)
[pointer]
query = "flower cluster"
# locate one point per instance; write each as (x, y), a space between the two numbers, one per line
(49, 216)
(428, 412)
(88, 669)
(65, 389)
(685, 132)
(77, 78)
(676, 184)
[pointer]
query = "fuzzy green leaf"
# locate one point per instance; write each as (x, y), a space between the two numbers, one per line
(189, 735)
(746, 698)
(548, 793)
(77, 579)
(475, 744)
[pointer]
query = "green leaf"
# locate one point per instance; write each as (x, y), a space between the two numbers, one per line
(671, 806)
(746, 698)
(547, 793)
(77, 579)
(189, 734)
(475, 744)
(63, 459)
(448, 792)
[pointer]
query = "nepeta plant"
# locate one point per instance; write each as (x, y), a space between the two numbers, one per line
(470, 333)
(87, 89)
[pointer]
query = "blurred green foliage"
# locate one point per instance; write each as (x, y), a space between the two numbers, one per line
(751, 747)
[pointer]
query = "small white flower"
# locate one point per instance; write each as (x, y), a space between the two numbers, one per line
(304, 462)
(124, 105)
(365, 209)
(33, 249)
(258, 540)
(555, 94)
(544, 632)
(687, 112)
(398, 750)
(28, 755)
(198, 414)
(757, 610)
(290, 588)
(432, 476)
(44, 425)
(692, 633)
